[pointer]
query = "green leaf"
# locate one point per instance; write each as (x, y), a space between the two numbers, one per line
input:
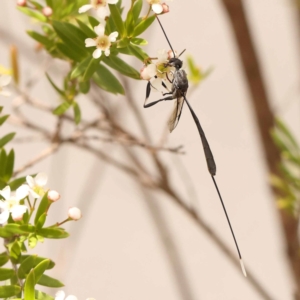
(42, 296)
(50, 282)
(31, 261)
(115, 14)
(77, 113)
(137, 52)
(44, 204)
(137, 8)
(40, 38)
(33, 13)
(81, 67)
(61, 92)
(4, 233)
(17, 182)
(41, 221)
(27, 228)
(107, 81)
(32, 240)
(62, 108)
(53, 233)
(4, 258)
(7, 138)
(14, 229)
(9, 166)
(3, 158)
(15, 251)
(139, 42)
(91, 69)
(94, 22)
(286, 132)
(143, 25)
(70, 52)
(123, 43)
(29, 286)
(89, 32)
(40, 269)
(121, 66)
(84, 86)
(9, 291)
(3, 119)
(6, 274)
(129, 23)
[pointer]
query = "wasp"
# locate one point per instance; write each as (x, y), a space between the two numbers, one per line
(179, 87)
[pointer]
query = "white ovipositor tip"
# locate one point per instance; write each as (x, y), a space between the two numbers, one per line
(243, 268)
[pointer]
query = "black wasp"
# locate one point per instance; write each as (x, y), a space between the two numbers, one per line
(178, 93)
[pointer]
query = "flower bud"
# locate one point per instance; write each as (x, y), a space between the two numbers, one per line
(18, 212)
(47, 11)
(74, 213)
(165, 8)
(21, 2)
(53, 195)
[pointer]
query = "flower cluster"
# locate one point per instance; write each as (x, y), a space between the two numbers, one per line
(102, 42)
(159, 72)
(13, 204)
(158, 7)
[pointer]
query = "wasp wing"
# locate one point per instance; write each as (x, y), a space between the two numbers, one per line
(175, 116)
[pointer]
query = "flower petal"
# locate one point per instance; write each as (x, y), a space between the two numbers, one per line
(34, 194)
(84, 8)
(5, 93)
(41, 179)
(71, 297)
(157, 8)
(107, 52)
(112, 1)
(99, 30)
(18, 211)
(4, 216)
(5, 80)
(113, 36)
(60, 295)
(102, 12)
(5, 193)
(90, 42)
(22, 192)
(157, 84)
(97, 53)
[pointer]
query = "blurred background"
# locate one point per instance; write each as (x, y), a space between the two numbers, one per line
(141, 241)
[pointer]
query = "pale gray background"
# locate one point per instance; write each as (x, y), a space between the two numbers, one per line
(114, 252)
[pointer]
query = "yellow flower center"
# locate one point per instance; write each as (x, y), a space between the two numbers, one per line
(11, 203)
(103, 42)
(39, 190)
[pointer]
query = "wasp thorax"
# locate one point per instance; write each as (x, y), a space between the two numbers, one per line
(103, 42)
(175, 62)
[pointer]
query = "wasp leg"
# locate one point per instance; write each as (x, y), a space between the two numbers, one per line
(154, 102)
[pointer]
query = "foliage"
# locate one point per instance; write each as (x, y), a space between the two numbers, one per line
(289, 182)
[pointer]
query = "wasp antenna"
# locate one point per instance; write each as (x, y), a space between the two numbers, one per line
(181, 53)
(243, 268)
(165, 35)
(228, 221)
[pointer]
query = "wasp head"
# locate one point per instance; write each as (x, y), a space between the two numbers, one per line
(175, 62)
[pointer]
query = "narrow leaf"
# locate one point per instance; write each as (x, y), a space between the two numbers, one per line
(29, 286)
(3, 119)
(3, 258)
(6, 274)
(77, 113)
(9, 291)
(81, 67)
(62, 108)
(33, 13)
(7, 138)
(40, 269)
(91, 69)
(9, 166)
(107, 81)
(143, 25)
(117, 18)
(44, 204)
(53, 233)
(61, 92)
(50, 282)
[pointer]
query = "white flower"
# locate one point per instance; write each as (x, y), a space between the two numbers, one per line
(158, 7)
(159, 72)
(4, 81)
(102, 42)
(53, 195)
(99, 5)
(74, 213)
(60, 295)
(11, 203)
(36, 185)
